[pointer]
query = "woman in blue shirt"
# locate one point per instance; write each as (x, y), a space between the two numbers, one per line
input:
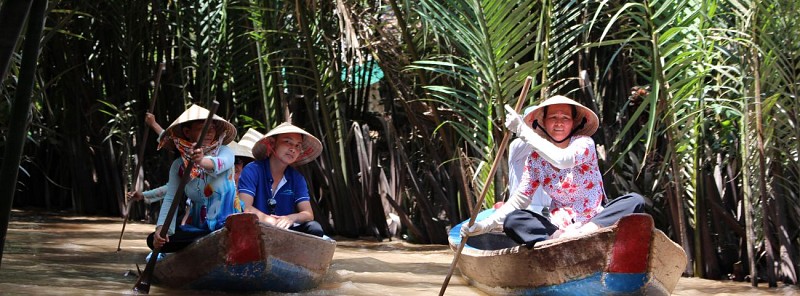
(272, 189)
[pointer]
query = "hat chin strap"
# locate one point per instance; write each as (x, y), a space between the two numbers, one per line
(574, 130)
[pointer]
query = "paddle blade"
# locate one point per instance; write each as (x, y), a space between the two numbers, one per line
(141, 287)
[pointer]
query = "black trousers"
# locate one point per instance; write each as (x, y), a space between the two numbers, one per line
(311, 227)
(177, 241)
(526, 227)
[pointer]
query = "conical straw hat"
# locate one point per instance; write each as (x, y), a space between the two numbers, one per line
(250, 138)
(240, 150)
(312, 147)
(197, 113)
(589, 127)
(244, 147)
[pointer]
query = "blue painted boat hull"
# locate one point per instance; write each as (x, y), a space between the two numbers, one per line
(248, 256)
(628, 258)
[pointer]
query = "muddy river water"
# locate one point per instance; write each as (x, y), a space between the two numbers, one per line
(47, 254)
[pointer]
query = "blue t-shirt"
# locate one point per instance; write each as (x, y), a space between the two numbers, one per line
(256, 180)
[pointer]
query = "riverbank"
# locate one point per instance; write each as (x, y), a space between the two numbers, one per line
(50, 253)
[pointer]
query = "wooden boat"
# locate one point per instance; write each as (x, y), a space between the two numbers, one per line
(628, 258)
(247, 255)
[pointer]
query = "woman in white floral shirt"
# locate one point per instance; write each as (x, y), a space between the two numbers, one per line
(564, 164)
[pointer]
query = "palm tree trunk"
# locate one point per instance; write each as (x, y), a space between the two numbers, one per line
(677, 202)
(12, 19)
(712, 270)
(762, 164)
(746, 198)
(377, 216)
(700, 225)
(20, 111)
(788, 262)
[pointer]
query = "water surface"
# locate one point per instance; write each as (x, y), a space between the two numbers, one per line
(48, 254)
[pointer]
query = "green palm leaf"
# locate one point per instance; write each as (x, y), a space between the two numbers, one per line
(484, 65)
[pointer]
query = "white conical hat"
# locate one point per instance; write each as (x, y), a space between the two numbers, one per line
(250, 138)
(197, 113)
(589, 127)
(240, 150)
(312, 147)
(244, 147)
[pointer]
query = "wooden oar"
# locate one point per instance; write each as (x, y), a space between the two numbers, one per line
(139, 156)
(476, 209)
(143, 283)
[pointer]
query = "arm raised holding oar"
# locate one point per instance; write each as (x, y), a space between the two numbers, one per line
(150, 120)
(503, 143)
(204, 174)
(152, 195)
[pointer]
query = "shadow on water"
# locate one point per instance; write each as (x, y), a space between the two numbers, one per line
(48, 253)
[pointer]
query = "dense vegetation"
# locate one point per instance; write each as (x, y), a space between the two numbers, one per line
(697, 101)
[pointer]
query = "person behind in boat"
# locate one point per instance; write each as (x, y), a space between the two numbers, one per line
(243, 155)
(518, 152)
(156, 194)
(243, 150)
(272, 188)
(564, 163)
(211, 189)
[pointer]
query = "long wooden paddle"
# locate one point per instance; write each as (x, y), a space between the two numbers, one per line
(143, 283)
(476, 209)
(139, 156)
